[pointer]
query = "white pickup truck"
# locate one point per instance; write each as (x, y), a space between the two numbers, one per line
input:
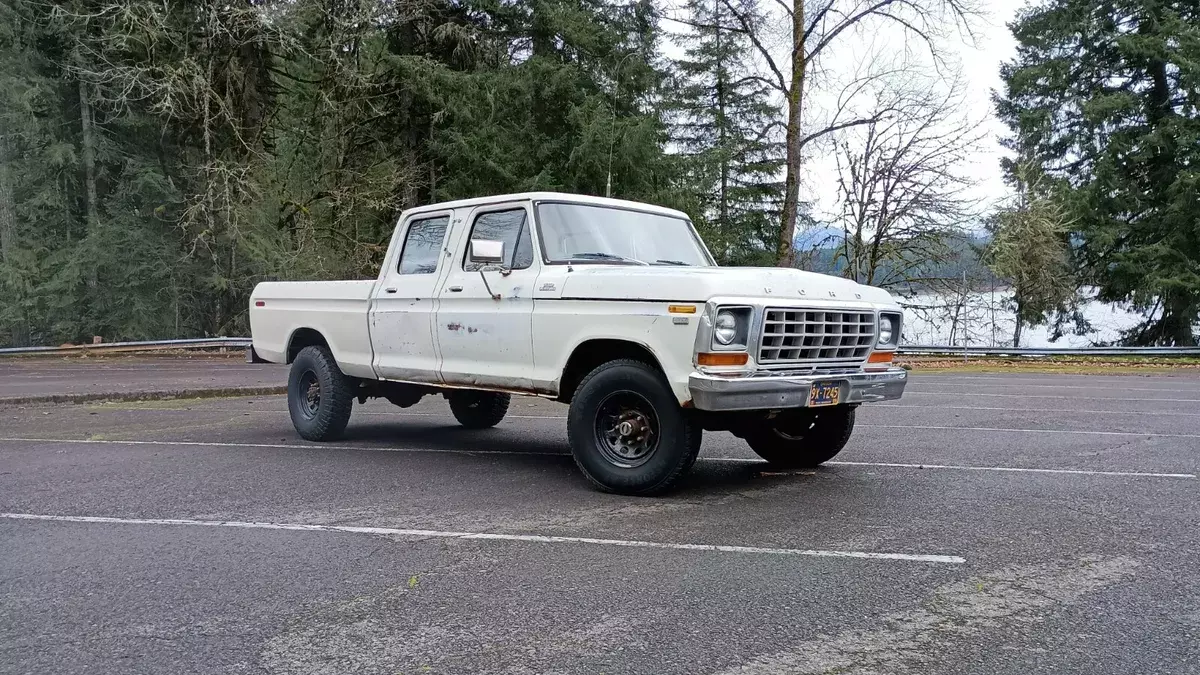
(614, 307)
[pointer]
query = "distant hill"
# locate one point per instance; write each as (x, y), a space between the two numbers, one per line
(818, 248)
(818, 237)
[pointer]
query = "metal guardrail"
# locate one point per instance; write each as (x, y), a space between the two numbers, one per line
(149, 345)
(910, 350)
(915, 350)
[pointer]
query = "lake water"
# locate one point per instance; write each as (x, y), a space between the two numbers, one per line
(938, 319)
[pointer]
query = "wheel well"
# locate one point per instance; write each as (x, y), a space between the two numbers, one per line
(588, 355)
(304, 337)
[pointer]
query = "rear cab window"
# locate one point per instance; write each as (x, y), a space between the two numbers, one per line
(423, 245)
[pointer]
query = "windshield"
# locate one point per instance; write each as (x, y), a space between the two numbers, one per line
(582, 233)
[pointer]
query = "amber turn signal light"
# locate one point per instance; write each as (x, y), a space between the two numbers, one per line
(721, 359)
(880, 357)
(681, 309)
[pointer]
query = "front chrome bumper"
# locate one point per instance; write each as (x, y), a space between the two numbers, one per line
(766, 392)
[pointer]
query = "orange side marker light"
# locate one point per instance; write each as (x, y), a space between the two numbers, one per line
(721, 359)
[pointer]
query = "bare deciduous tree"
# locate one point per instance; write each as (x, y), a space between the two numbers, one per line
(902, 189)
(816, 27)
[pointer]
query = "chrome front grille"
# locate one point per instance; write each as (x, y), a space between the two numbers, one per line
(797, 335)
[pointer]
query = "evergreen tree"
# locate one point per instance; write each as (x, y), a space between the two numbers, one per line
(1029, 251)
(1105, 97)
(27, 151)
(562, 98)
(724, 125)
(158, 159)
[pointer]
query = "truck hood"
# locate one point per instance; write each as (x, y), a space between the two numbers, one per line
(699, 284)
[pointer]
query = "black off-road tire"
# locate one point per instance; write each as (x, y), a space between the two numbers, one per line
(327, 419)
(478, 409)
(697, 439)
(678, 435)
(803, 438)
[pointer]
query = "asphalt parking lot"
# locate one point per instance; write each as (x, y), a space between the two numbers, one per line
(985, 523)
(38, 380)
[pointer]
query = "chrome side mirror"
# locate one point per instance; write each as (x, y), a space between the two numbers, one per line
(487, 251)
(491, 253)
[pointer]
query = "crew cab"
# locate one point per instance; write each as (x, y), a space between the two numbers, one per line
(616, 308)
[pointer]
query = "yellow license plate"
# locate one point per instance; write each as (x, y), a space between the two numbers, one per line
(824, 393)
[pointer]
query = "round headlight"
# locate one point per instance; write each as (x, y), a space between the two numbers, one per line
(886, 328)
(725, 329)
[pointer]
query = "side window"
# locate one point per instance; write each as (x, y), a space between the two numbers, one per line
(423, 245)
(509, 227)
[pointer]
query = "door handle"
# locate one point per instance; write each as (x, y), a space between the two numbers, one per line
(455, 289)
(389, 290)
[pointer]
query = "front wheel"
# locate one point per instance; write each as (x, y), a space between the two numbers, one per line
(320, 396)
(627, 431)
(802, 439)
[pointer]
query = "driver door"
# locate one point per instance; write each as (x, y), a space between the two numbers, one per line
(484, 341)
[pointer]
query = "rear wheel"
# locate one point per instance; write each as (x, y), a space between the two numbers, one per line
(320, 396)
(627, 432)
(478, 409)
(803, 438)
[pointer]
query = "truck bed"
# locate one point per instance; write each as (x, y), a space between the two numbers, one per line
(336, 309)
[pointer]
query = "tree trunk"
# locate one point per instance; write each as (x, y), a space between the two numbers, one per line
(1017, 331)
(791, 191)
(541, 32)
(1178, 313)
(88, 141)
(723, 218)
(19, 332)
(8, 220)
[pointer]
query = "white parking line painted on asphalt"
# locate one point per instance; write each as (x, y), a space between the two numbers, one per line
(283, 446)
(493, 536)
(1013, 469)
(1098, 380)
(439, 414)
(870, 405)
(1152, 434)
(389, 413)
(451, 451)
(916, 392)
(943, 383)
(1080, 432)
(967, 467)
(1043, 411)
(395, 413)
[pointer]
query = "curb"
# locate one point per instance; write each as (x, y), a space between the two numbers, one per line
(134, 396)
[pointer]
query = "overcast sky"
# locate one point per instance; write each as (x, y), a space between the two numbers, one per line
(980, 67)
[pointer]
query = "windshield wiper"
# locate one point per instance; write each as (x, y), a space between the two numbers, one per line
(673, 262)
(607, 256)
